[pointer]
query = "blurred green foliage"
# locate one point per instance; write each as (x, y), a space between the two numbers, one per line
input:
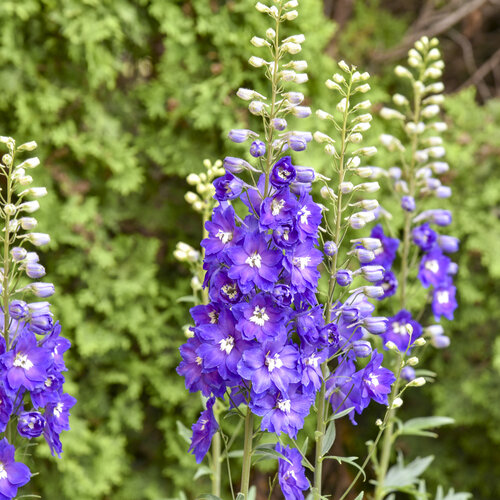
(125, 98)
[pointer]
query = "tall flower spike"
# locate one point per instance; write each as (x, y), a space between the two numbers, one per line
(31, 363)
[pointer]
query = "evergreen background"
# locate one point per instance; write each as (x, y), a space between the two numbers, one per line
(125, 97)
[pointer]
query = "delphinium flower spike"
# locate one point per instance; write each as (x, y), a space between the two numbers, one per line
(32, 401)
(419, 152)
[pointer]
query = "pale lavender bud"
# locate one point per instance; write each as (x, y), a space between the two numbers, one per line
(294, 97)
(18, 253)
(373, 292)
(448, 244)
(35, 270)
(330, 248)
(38, 239)
(301, 111)
(42, 289)
(28, 223)
(344, 277)
(362, 348)
(408, 203)
(368, 243)
(279, 124)
(241, 135)
(440, 341)
(372, 273)
(443, 192)
(363, 255)
(305, 174)
(18, 309)
(31, 257)
(236, 165)
(257, 149)
(257, 108)
(297, 143)
(375, 324)
(408, 373)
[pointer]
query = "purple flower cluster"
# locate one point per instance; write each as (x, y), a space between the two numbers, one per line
(437, 269)
(262, 338)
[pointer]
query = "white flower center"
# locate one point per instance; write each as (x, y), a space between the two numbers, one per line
(223, 236)
(283, 173)
(373, 380)
(198, 360)
(259, 316)
(21, 360)
(312, 361)
(214, 317)
(289, 474)
(443, 297)
(48, 382)
(254, 260)
(203, 423)
(3, 472)
(432, 266)
(230, 291)
(301, 262)
(227, 344)
(304, 215)
(284, 405)
(400, 328)
(273, 362)
(277, 206)
(58, 410)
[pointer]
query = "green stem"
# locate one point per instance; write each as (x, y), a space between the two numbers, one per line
(216, 472)
(247, 454)
(321, 421)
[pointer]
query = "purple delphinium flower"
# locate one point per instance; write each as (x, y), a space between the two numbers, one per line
(444, 302)
(30, 424)
(253, 264)
(40, 318)
(309, 322)
(13, 474)
(308, 217)
(26, 365)
(223, 288)
(57, 414)
(261, 318)
(222, 346)
(310, 362)
(270, 364)
(376, 381)
(282, 412)
(424, 236)
(191, 367)
(389, 283)
(291, 474)
(282, 173)
(203, 431)
(18, 309)
(227, 187)
(204, 314)
(302, 263)
(222, 232)
(384, 255)
(277, 210)
(399, 328)
(433, 268)
(6, 408)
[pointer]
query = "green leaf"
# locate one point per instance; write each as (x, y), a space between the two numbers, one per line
(183, 432)
(240, 496)
(271, 454)
(208, 496)
(252, 493)
(418, 426)
(360, 496)
(341, 414)
(187, 298)
(347, 460)
(451, 495)
(400, 476)
(202, 471)
(329, 438)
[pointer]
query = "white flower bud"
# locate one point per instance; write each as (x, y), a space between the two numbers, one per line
(378, 422)
(413, 361)
(262, 8)
(362, 105)
(10, 209)
(368, 187)
(368, 205)
(338, 78)
(368, 151)
(420, 342)
(434, 99)
(288, 75)
(321, 137)
(435, 88)
(291, 48)
(7, 160)
(355, 138)
(432, 73)
(193, 179)
(256, 108)
(301, 78)
(259, 42)
(361, 127)
(295, 39)
(198, 206)
(36, 192)
(333, 86)
(391, 114)
(270, 33)
(195, 283)
(353, 162)
(391, 142)
(346, 187)
(343, 66)
(356, 77)
(363, 88)
(438, 126)
(417, 382)
(327, 193)
(257, 62)
(364, 172)
(297, 65)
(413, 62)
(421, 156)
(399, 100)
(414, 53)
(29, 206)
(391, 346)
(436, 152)
(430, 111)
(402, 72)
(415, 128)
(248, 95)
(29, 163)
(291, 15)
(292, 4)
(191, 197)
(397, 403)
(323, 115)
(330, 150)
(38, 239)
(342, 105)
(25, 180)
(28, 223)
(27, 146)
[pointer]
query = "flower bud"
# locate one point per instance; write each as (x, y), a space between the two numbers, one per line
(10, 209)
(27, 146)
(29, 206)
(29, 163)
(193, 179)
(279, 124)
(257, 108)
(343, 277)
(191, 197)
(291, 48)
(342, 106)
(400, 100)
(391, 114)
(291, 15)
(362, 348)
(18, 253)
(333, 86)
(397, 403)
(402, 72)
(38, 239)
(355, 138)
(259, 42)
(413, 361)
(262, 8)
(363, 88)
(257, 62)
(391, 346)
(419, 342)
(36, 192)
(35, 270)
(330, 248)
(418, 382)
(42, 290)
(257, 149)
(343, 66)
(241, 135)
(408, 373)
